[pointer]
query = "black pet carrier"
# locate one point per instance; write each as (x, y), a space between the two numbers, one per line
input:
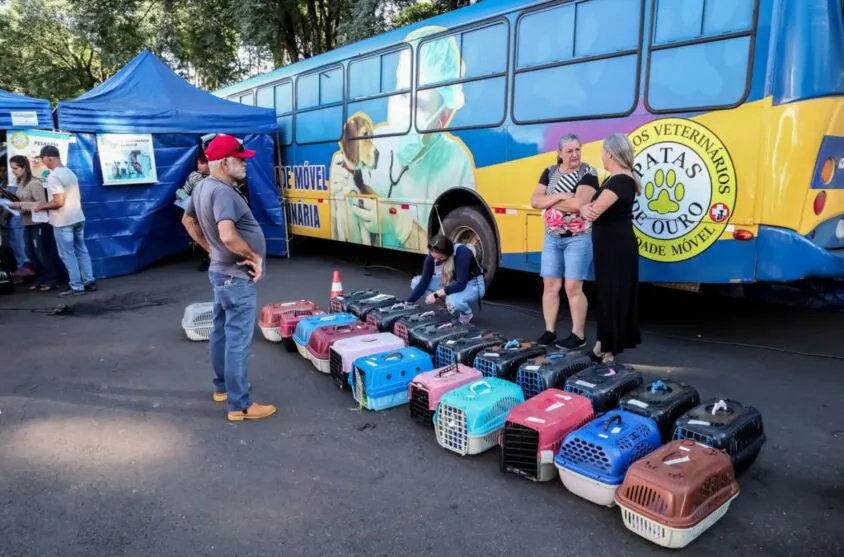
(663, 401)
(726, 425)
(429, 337)
(604, 384)
(463, 350)
(550, 371)
(362, 308)
(6, 284)
(503, 361)
(340, 304)
(385, 317)
(407, 323)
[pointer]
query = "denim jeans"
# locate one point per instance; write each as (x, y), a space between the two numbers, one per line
(14, 235)
(74, 253)
(474, 291)
(235, 311)
(42, 252)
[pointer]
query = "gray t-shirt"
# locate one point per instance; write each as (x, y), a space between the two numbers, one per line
(213, 201)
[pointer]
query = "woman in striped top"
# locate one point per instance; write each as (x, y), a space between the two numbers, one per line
(567, 250)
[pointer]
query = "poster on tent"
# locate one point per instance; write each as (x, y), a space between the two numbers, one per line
(29, 143)
(126, 158)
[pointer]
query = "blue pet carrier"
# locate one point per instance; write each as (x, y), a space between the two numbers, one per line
(383, 381)
(604, 384)
(593, 460)
(550, 372)
(469, 419)
(306, 327)
(503, 361)
(725, 425)
(463, 350)
(663, 401)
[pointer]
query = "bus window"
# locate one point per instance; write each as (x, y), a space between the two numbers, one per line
(247, 99)
(593, 47)
(465, 72)
(319, 106)
(690, 67)
(379, 86)
(266, 98)
(283, 94)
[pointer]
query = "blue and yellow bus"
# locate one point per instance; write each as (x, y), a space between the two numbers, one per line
(734, 108)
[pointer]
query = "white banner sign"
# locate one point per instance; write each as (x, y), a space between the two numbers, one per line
(29, 143)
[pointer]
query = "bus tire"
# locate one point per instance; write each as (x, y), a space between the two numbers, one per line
(466, 224)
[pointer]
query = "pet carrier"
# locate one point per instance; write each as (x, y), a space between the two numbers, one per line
(7, 286)
(503, 361)
(534, 431)
(550, 372)
(384, 318)
(324, 337)
(405, 324)
(198, 321)
(726, 425)
(663, 401)
(469, 419)
(429, 337)
(676, 493)
(463, 350)
(306, 327)
(381, 381)
(593, 459)
(340, 304)
(604, 384)
(343, 353)
(362, 308)
(269, 320)
(288, 322)
(428, 388)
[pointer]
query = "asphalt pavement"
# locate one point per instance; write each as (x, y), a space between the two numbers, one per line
(111, 445)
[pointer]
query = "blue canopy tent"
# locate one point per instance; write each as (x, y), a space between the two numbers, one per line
(21, 112)
(130, 226)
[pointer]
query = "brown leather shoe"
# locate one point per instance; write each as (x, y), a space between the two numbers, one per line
(223, 397)
(254, 412)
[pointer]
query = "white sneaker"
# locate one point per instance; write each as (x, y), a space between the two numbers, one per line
(466, 319)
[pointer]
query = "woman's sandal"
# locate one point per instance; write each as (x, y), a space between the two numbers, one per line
(46, 288)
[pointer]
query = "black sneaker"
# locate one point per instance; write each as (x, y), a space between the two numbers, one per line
(547, 338)
(71, 292)
(572, 342)
(91, 287)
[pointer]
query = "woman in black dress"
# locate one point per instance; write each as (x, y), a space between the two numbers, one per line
(616, 254)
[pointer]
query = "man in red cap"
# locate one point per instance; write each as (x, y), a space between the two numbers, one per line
(220, 221)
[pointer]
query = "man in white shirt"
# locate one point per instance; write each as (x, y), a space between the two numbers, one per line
(68, 220)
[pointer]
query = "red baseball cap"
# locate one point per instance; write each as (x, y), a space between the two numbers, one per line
(224, 146)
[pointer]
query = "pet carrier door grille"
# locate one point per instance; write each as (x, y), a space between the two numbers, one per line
(520, 449)
(583, 452)
(445, 356)
(419, 406)
(360, 387)
(335, 367)
(531, 382)
(451, 429)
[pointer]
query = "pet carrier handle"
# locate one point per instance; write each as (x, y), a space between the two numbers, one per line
(393, 356)
(446, 325)
(658, 385)
(614, 419)
(478, 384)
(448, 370)
(343, 328)
(553, 356)
(426, 314)
(515, 343)
(720, 405)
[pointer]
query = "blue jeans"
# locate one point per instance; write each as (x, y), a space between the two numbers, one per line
(41, 250)
(569, 258)
(235, 311)
(14, 234)
(74, 253)
(474, 291)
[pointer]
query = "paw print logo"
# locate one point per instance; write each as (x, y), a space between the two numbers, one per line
(664, 193)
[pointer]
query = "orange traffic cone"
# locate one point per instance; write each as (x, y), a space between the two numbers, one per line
(336, 286)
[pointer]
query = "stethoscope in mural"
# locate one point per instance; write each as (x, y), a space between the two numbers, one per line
(394, 182)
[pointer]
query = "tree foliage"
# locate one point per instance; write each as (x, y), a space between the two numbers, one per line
(59, 49)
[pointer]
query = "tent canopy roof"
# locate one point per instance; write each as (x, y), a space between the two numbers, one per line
(146, 96)
(12, 102)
